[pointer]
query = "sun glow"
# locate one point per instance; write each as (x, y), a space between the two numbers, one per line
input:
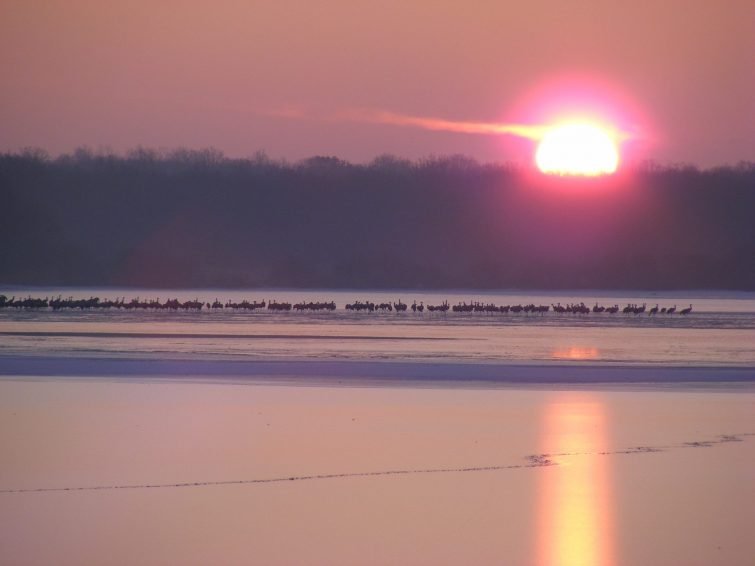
(577, 149)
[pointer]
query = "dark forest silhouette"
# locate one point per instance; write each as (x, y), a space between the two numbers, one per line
(195, 218)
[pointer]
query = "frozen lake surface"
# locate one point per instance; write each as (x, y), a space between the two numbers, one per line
(345, 438)
(160, 471)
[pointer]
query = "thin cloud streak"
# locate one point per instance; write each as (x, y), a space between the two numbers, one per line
(385, 117)
(440, 124)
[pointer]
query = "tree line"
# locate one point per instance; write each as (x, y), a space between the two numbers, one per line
(188, 218)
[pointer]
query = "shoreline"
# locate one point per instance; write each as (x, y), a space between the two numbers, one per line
(343, 372)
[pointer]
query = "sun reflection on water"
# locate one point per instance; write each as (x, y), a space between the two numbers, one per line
(575, 506)
(576, 354)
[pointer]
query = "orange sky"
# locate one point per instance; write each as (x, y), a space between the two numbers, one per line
(197, 74)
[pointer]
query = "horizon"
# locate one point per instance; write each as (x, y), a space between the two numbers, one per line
(261, 156)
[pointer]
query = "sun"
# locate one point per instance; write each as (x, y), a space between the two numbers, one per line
(577, 149)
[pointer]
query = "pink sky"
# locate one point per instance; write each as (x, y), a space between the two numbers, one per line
(197, 74)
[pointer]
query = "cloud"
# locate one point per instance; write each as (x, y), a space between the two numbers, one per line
(372, 116)
(442, 125)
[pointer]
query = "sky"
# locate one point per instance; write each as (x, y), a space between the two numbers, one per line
(299, 78)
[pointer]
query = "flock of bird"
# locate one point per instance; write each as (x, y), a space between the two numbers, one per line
(70, 303)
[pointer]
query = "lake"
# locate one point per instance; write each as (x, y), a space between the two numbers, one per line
(383, 438)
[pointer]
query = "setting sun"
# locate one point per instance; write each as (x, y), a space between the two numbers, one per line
(577, 149)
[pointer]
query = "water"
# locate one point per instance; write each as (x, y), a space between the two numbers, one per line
(195, 469)
(156, 472)
(719, 332)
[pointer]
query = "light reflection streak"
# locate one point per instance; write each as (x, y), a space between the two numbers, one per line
(576, 354)
(575, 522)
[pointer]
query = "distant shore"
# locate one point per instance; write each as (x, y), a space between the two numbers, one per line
(386, 372)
